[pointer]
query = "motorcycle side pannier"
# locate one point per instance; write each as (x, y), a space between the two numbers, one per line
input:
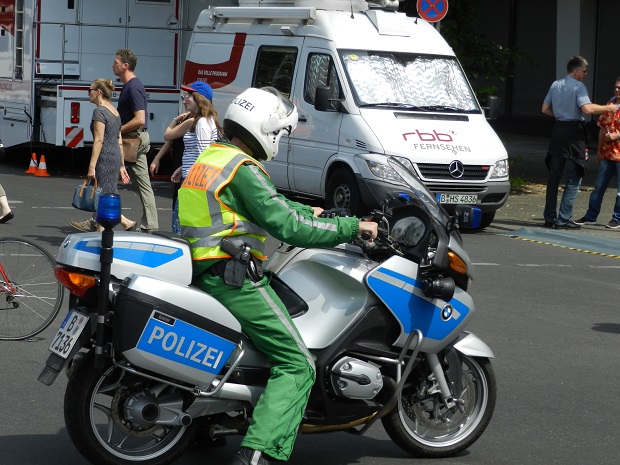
(176, 331)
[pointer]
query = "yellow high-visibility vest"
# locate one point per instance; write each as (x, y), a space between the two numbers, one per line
(205, 219)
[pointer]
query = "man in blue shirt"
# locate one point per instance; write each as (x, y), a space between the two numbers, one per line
(132, 108)
(567, 101)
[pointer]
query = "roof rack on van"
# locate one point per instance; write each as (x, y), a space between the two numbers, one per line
(337, 5)
(333, 5)
(301, 13)
(383, 4)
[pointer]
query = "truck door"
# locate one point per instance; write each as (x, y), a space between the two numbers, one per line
(102, 34)
(58, 40)
(139, 25)
(316, 138)
(276, 66)
(152, 38)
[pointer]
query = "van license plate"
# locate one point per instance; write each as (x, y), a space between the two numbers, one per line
(457, 198)
(69, 333)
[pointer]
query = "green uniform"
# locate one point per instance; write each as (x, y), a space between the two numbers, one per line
(228, 194)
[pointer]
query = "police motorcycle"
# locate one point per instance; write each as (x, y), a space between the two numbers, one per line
(153, 363)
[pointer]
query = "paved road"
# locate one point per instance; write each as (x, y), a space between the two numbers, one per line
(549, 313)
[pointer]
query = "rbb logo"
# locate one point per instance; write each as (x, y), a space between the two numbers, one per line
(429, 136)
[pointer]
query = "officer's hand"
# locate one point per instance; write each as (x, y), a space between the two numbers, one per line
(334, 212)
(368, 230)
(317, 211)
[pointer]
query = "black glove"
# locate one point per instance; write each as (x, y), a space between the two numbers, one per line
(334, 212)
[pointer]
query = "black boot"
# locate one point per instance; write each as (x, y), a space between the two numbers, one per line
(247, 456)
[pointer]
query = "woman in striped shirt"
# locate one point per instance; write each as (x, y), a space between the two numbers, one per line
(199, 126)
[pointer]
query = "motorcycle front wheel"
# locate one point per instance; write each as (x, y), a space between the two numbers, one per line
(95, 417)
(422, 425)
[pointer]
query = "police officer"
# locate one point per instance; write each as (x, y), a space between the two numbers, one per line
(227, 207)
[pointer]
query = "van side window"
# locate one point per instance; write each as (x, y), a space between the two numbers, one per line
(275, 67)
(321, 72)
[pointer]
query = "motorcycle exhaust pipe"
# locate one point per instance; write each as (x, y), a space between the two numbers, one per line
(240, 392)
(144, 409)
(170, 412)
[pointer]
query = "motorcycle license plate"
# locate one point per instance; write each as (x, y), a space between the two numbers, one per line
(69, 333)
(462, 199)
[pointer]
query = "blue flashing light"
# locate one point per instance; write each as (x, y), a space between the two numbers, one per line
(109, 210)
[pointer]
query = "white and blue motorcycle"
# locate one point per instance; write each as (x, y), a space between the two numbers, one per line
(154, 363)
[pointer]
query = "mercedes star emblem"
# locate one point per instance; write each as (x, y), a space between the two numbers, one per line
(456, 169)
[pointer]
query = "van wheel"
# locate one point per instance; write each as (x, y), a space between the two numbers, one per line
(342, 192)
(487, 219)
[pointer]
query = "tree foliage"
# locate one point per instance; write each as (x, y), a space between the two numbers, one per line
(479, 56)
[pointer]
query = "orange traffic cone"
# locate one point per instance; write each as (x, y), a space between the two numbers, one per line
(32, 169)
(42, 170)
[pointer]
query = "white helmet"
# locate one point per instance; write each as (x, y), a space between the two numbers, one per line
(259, 117)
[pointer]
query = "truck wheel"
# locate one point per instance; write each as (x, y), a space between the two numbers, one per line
(342, 192)
(487, 219)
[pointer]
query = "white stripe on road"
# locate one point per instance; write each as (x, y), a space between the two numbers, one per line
(544, 264)
(611, 267)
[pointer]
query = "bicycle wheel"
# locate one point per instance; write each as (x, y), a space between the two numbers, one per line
(30, 295)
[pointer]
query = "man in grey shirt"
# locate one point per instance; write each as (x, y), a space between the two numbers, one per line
(567, 101)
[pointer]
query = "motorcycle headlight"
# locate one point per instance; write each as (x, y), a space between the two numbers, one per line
(500, 169)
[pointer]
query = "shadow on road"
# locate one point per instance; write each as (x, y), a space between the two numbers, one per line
(613, 328)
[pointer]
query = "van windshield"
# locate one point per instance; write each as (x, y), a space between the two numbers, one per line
(409, 82)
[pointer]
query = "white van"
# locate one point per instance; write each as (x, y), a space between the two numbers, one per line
(368, 83)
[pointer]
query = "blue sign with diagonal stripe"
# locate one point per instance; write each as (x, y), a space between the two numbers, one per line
(432, 10)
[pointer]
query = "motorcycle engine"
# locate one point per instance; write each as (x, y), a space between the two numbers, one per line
(356, 379)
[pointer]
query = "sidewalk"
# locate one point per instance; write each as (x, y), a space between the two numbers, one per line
(524, 208)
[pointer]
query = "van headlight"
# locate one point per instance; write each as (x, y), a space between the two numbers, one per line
(500, 169)
(385, 171)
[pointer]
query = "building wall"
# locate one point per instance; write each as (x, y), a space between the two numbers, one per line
(607, 69)
(549, 31)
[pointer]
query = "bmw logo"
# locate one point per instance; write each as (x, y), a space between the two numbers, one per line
(446, 312)
(456, 169)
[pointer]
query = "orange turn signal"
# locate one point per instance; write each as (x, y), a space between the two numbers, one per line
(77, 283)
(456, 263)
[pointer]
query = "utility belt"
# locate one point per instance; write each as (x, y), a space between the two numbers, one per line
(240, 266)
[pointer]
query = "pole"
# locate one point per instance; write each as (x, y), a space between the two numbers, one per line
(105, 258)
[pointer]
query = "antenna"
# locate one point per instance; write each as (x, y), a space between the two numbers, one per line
(351, 2)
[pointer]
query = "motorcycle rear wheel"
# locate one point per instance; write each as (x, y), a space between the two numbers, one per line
(95, 421)
(424, 427)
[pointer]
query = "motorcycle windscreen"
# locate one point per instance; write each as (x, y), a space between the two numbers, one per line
(394, 282)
